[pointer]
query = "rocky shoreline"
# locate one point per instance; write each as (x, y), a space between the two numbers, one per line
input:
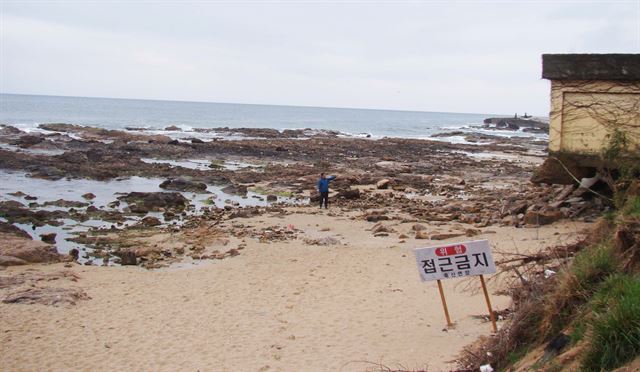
(479, 184)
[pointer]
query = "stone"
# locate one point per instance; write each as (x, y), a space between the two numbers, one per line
(380, 228)
(173, 128)
(418, 227)
(376, 216)
(446, 236)
(564, 193)
(48, 238)
(542, 217)
(89, 196)
(46, 296)
(519, 207)
(150, 221)
(328, 240)
(422, 234)
(383, 184)
(472, 232)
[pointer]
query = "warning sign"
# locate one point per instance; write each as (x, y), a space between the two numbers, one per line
(455, 260)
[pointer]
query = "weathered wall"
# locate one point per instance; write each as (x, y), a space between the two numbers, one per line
(585, 113)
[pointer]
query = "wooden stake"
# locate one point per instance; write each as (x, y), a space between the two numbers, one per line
(486, 297)
(444, 304)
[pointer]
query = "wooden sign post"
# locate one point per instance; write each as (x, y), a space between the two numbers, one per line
(457, 260)
(444, 304)
(486, 297)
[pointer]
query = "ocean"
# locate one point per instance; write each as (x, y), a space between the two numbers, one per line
(27, 111)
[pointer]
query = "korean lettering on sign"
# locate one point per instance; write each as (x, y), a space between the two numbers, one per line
(455, 260)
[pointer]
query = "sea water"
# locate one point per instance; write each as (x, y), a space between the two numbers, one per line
(27, 111)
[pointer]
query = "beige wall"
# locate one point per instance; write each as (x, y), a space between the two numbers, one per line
(583, 115)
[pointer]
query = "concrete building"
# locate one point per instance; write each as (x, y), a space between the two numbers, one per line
(594, 97)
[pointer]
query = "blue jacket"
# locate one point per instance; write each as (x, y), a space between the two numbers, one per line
(323, 183)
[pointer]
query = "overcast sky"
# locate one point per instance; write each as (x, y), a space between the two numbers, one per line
(453, 56)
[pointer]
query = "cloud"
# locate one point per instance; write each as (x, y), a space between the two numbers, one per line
(438, 56)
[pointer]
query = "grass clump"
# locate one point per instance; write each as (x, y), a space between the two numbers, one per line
(594, 300)
(632, 207)
(575, 286)
(615, 338)
(593, 265)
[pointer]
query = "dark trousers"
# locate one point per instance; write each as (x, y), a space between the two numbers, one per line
(324, 198)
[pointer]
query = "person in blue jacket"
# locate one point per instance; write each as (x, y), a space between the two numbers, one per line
(323, 188)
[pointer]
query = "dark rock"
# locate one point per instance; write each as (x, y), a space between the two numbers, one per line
(150, 221)
(8, 228)
(181, 184)
(383, 184)
(519, 207)
(74, 253)
(553, 172)
(196, 140)
(48, 238)
(272, 198)
(8, 130)
(235, 189)
(142, 202)
(173, 142)
(28, 250)
(376, 216)
(28, 140)
(16, 212)
(89, 196)
(173, 128)
(66, 203)
(349, 194)
(127, 257)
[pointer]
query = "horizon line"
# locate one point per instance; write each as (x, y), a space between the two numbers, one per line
(257, 104)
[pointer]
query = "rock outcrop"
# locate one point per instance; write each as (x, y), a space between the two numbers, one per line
(15, 250)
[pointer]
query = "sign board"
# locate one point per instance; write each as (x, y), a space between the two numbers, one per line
(455, 260)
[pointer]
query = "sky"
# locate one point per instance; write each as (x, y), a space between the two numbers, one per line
(446, 56)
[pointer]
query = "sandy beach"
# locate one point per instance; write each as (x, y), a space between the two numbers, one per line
(230, 265)
(280, 306)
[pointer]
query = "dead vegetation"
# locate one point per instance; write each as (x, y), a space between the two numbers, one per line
(580, 301)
